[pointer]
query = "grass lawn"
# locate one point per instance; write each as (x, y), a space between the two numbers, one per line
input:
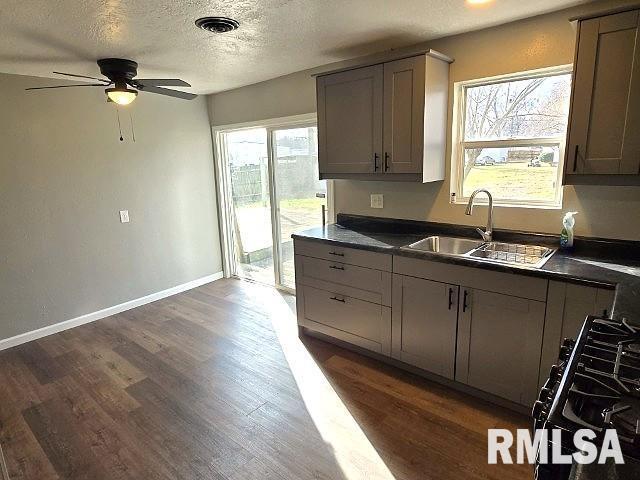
(514, 181)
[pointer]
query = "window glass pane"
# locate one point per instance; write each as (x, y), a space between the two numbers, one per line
(536, 107)
(300, 193)
(519, 174)
(246, 152)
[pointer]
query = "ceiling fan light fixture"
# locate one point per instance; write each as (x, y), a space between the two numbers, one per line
(121, 96)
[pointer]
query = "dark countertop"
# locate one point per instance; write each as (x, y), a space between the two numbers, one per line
(594, 262)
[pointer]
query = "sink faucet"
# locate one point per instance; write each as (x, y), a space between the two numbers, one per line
(486, 235)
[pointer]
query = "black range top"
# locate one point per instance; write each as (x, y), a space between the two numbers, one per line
(595, 385)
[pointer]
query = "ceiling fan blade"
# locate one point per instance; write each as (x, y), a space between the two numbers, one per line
(69, 86)
(82, 76)
(162, 82)
(166, 91)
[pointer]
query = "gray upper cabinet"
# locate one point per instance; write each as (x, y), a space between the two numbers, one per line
(604, 126)
(350, 121)
(499, 341)
(424, 323)
(385, 121)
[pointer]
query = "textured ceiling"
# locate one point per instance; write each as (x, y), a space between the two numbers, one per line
(276, 37)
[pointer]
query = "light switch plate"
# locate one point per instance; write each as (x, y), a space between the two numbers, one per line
(124, 216)
(377, 200)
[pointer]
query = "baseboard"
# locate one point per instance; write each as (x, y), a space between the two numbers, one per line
(93, 316)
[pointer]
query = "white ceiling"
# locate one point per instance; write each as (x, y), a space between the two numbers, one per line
(276, 37)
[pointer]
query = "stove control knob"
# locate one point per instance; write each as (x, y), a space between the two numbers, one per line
(566, 348)
(555, 374)
(545, 393)
(539, 411)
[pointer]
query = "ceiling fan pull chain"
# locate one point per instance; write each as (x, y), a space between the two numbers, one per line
(133, 132)
(119, 126)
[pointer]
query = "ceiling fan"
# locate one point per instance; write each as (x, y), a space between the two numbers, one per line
(121, 74)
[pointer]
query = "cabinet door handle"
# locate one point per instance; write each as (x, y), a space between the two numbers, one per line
(464, 301)
(336, 268)
(386, 161)
(336, 254)
(575, 158)
(375, 162)
(337, 299)
(450, 297)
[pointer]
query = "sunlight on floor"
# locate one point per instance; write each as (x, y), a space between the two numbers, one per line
(354, 453)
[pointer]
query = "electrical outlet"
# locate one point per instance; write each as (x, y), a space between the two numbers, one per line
(124, 216)
(377, 200)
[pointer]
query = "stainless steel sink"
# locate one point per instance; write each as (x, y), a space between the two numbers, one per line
(533, 256)
(446, 245)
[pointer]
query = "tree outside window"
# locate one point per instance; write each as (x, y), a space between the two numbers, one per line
(510, 137)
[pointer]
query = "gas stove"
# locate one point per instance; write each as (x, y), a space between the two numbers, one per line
(595, 385)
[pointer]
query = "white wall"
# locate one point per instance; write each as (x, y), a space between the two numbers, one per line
(64, 175)
(533, 43)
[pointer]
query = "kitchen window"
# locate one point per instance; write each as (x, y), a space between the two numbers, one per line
(509, 137)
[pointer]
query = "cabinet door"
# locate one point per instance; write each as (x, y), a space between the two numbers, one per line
(404, 97)
(604, 131)
(567, 307)
(499, 342)
(424, 322)
(581, 301)
(350, 121)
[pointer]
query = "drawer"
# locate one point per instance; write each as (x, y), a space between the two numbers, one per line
(351, 256)
(360, 282)
(347, 318)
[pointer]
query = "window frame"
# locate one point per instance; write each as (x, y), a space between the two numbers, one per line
(458, 144)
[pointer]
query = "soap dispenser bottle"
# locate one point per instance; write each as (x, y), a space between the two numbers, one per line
(566, 235)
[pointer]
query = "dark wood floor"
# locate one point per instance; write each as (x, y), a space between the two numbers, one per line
(215, 384)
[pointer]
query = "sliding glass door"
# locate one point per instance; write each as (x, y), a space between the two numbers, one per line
(250, 204)
(299, 195)
(270, 189)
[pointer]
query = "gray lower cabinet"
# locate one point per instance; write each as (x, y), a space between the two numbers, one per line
(344, 293)
(361, 323)
(424, 322)
(493, 331)
(499, 342)
(567, 307)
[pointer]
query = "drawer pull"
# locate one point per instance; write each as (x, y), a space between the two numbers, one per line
(336, 268)
(336, 254)
(338, 299)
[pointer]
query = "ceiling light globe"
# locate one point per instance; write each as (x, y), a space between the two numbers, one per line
(476, 3)
(121, 96)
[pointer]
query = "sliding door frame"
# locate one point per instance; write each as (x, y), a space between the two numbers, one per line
(223, 189)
